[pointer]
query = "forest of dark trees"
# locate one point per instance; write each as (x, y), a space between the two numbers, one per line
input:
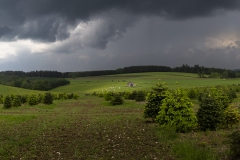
(47, 80)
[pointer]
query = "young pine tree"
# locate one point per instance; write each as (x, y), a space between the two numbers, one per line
(176, 112)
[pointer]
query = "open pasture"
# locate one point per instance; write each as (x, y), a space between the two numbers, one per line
(143, 81)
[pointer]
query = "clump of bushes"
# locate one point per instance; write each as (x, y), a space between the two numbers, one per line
(12, 100)
(214, 111)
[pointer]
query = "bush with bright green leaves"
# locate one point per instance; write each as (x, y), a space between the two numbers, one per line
(154, 100)
(176, 112)
(116, 100)
(48, 98)
(16, 101)
(7, 102)
(211, 114)
(140, 96)
(235, 145)
(32, 100)
(231, 116)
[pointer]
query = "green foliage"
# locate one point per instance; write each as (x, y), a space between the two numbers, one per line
(140, 96)
(24, 98)
(116, 100)
(132, 96)
(16, 101)
(231, 116)
(35, 83)
(70, 96)
(192, 93)
(32, 100)
(108, 96)
(235, 145)
(176, 111)
(213, 103)
(154, 100)
(7, 102)
(48, 98)
(75, 96)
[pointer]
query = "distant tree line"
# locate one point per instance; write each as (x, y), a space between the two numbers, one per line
(200, 70)
(34, 83)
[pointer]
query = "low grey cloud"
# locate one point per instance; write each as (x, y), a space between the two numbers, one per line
(80, 35)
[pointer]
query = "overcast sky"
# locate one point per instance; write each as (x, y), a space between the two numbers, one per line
(80, 35)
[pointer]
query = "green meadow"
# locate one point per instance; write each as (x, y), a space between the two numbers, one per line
(90, 128)
(143, 81)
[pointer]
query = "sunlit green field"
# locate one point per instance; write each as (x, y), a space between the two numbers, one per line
(143, 81)
(13, 90)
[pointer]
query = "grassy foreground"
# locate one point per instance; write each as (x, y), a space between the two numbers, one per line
(84, 129)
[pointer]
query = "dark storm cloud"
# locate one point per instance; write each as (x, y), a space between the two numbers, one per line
(4, 30)
(48, 20)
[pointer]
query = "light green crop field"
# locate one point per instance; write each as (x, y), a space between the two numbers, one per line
(143, 81)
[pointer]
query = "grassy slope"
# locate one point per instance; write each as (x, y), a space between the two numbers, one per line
(14, 90)
(143, 81)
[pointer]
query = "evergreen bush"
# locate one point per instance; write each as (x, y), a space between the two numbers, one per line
(16, 101)
(154, 100)
(32, 100)
(116, 100)
(7, 102)
(140, 96)
(211, 113)
(48, 98)
(176, 112)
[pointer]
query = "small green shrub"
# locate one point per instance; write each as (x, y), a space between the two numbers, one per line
(75, 96)
(176, 111)
(132, 96)
(140, 96)
(232, 116)
(108, 96)
(154, 100)
(32, 100)
(16, 101)
(116, 100)
(48, 98)
(7, 102)
(213, 104)
(235, 145)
